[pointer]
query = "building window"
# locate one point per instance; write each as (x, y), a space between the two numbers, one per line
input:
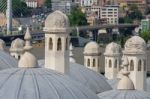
(59, 44)
(50, 44)
(110, 63)
(115, 65)
(88, 62)
(139, 65)
(131, 65)
(93, 62)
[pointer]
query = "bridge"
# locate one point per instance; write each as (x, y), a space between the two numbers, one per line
(39, 35)
(105, 26)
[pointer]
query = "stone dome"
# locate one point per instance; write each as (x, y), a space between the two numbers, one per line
(17, 45)
(113, 82)
(135, 44)
(28, 60)
(56, 22)
(38, 83)
(2, 45)
(95, 81)
(91, 48)
(7, 61)
(113, 49)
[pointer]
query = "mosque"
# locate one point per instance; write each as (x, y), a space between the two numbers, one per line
(58, 76)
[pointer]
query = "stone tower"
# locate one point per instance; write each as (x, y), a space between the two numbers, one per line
(112, 60)
(57, 42)
(135, 51)
(91, 56)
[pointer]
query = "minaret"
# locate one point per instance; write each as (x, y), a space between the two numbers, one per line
(91, 56)
(9, 16)
(57, 42)
(112, 60)
(27, 38)
(135, 51)
(17, 48)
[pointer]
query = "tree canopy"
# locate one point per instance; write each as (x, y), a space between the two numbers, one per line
(47, 3)
(77, 17)
(145, 35)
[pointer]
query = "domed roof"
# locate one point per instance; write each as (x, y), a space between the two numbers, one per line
(113, 49)
(135, 44)
(2, 45)
(148, 84)
(91, 48)
(38, 83)
(56, 22)
(125, 90)
(96, 82)
(124, 94)
(28, 60)
(17, 45)
(7, 61)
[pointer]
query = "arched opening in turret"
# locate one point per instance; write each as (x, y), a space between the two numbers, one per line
(88, 62)
(93, 62)
(144, 63)
(50, 44)
(59, 44)
(66, 43)
(131, 65)
(115, 64)
(139, 65)
(110, 63)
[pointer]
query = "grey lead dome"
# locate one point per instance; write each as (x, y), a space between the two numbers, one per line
(96, 82)
(37, 83)
(7, 61)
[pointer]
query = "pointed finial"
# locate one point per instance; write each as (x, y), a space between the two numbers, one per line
(125, 83)
(28, 38)
(71, 49)
(71, 54)
(28, 60)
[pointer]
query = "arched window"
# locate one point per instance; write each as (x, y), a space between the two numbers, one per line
(93, 62)
(115, 65)
(59, 44)
(110, 63)
(131, 65)
(88, 62)
(50, 44)
(139, 65)
(19, 57)
(144, 63)
(66, 43)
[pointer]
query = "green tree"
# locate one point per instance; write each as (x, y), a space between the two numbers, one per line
(48, 3)
(145, 35)
(77, 17)
(19, 8)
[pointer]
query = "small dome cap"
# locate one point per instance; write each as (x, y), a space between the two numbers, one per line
(113, 49)
(91, 48)
(135, 45)
(56, 22)
(17, 45)
(28, 60)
